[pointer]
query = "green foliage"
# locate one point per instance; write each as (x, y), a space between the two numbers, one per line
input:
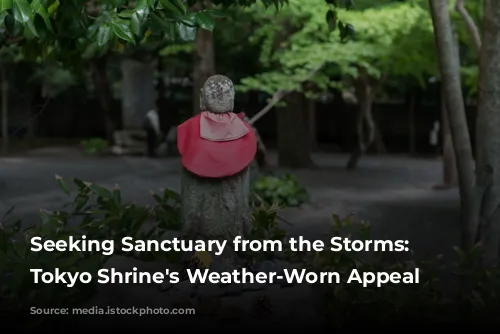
(469, 59)
(54, 78)
(284, 191)
(101, 214)
(346, 303)
(98, 213)
(470, 78)
(265, 223)
(108, 22)
(265, 226)
(394, 39)
(93, 146)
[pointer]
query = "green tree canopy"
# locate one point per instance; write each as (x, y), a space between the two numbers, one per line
(394, 39)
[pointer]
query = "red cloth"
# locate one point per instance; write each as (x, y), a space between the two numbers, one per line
(214, 159)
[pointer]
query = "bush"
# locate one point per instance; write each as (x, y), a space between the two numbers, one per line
(96, 212)
(433, 300)
(94, 146)
(100, 214)
(284, 191)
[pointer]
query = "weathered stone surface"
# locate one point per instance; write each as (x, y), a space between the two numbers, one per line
(215, 209)
(217, 94)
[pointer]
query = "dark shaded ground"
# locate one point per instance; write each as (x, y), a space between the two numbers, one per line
(393, 193)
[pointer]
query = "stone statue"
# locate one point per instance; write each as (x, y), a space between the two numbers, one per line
(216, 147)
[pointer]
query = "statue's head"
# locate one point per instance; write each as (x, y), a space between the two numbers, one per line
(217, 94)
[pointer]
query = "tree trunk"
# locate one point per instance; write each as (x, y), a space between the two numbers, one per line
(450, 174)
(216, 209)
(160, 85)
(364, 95)
(378, 141)
(488, 134)
(311, 111)
(450, 73)
(411, 123)
(5, 113)
(36, 104)
(470, 24)
(204, 64)
(104, 94)
(294, 144)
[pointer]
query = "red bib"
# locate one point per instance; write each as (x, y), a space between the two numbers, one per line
(216, 146)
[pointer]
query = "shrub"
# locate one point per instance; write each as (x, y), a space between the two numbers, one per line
(100, 214)
(430, 301)
(284, 191)
(94, 146)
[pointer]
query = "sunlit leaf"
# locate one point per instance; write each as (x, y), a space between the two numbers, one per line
(22, 11)
(104, 35)
(204, 20)
(122, 31)
(186, 33)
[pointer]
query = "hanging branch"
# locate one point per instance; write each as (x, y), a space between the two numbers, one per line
(279, 95)
(470, 24)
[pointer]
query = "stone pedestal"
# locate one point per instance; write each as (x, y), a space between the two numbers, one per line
(215, 208)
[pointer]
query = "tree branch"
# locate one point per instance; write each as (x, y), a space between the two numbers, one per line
(280, 94)
(470, 24)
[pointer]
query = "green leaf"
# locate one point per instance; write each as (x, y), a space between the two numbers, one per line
(170, 7)
(117, 194)
(186, 33)
(158, 24)
(219, 14)
(205, 21)
(101, 191)
(44, 216)
(30, 30)
(122, 31)
(139, 17)
(180, 5)
(104, 35)
(5, 5)
(170, 194)
(22, 11)
(126, 14)
(52, 8)
(62, 184)
(38, 8)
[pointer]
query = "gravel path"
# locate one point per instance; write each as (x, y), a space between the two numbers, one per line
(393, 193)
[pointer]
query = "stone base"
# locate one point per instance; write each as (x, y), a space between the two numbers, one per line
(129, 142)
